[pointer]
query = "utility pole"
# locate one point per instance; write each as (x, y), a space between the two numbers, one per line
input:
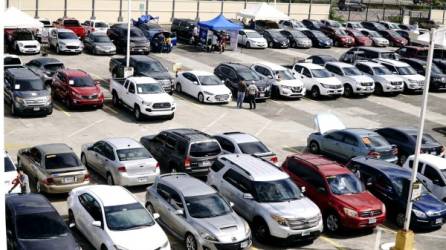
(36, 15)
(93, 4)
(120, 19)
(128, 32)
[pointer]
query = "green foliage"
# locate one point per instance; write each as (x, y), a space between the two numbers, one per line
(333, 15)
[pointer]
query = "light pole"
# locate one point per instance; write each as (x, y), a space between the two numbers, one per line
(128, 33)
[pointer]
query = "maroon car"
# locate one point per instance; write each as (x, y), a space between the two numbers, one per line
(394, 38)
(339, 36)
(71, 24)
(76, 88)
(413, 52)
(360, 38)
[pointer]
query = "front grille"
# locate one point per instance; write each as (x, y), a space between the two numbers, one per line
(296, 89)
(367, 83)
(35, 102)
(89, 97)
(30, 46)
(221, 97)
(396, 83)
(72, 47)
(437, 213)
(161, 105)
(261, 89)
(228, 246)
(303, 223)
(165, 83)
(334, 86)
(370, 213)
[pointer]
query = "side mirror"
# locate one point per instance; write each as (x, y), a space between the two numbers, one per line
(195, 82)
(223, 81)
(247, 196)
(179, 212)
(156, 216)
(90, 148)
(369, 182)
(9, 233)
(231, 204)
(303, 189)
(270, 76)
(96, 223)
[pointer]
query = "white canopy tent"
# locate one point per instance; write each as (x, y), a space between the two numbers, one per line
(13, 18)
(439, 38)
(263, 11)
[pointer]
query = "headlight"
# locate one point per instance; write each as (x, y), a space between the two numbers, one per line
(20, 44)
(208, 237)
(119, 247)
(419, 213)
(439, 79)
(325, 86)
(286, 87)
(280, 220)
(76, 95)
(350, 212)
(146, 103)
(247, 229)
(62, 44)
(207, 93)
(383, 208)
(19, 100)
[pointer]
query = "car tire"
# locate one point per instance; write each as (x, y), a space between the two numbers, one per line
(190, 242)
(348, 90)
(332, 222)
(178, 88)
(84, 160)
(270, 45)
(402, 159)
(201, 97)
(115, 100)
(38, 188)
(110, 180)
(170, 117)
(314, 147)
(248, 45)
(57, 49)
(399, 220)
(71, 219)
(315, 93)
(261, 230)
(103, 247)
(50, 111)
(379, 89)
(137, 113)
(150, 208)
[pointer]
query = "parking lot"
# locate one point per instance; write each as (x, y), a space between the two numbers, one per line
(281, 124)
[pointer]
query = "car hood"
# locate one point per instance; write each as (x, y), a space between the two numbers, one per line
(31, 94)
(65, 242)
(413, 77)
(280, 39)
(104, 44)
(303, 207)
(291, 83)
(227, 228)
(329, 80)
(303, 40)
(71, 42)
(257, 40)
(151, 237)
(138, 40)
(325, 122)
(361, 202)
(323, 39)
(153, 98)
(86, 91)
(380, 40)
(390, 78)
(216, 89)
(361, 78)
(429, 203)
(28, 42)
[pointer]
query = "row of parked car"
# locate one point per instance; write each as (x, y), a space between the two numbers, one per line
(247, 193)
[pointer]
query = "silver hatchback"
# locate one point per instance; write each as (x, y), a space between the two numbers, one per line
(122, 161)
(194, 212)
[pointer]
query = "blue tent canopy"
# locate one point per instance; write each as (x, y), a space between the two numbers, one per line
(219, 23)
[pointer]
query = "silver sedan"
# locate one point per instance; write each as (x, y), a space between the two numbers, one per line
(122, 161)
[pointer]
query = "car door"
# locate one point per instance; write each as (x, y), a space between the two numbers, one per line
(8, 88)
(350, 146)
(92, 155)
(332, 143)
(90, 211)
(317, 189)
(106, 160)
(307, 78)
(383, 189)
(177, 221)
(241, 39)
(234, 186)
(194, 87)
(434, 181)
(186, 84)
(88, 42)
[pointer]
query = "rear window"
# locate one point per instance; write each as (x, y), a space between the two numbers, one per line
(71, 23)
(132, 154)
(253, 147)
(11, 61)
(201, 149)
(374, 141)
(65, 160)
(54, 67)
(40, 226)
(100, 25)
(9, 165)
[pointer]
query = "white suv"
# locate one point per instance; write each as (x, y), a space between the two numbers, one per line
(355, 81)
(385, 81)
(318, 81)
(266, 197)
(284, 83)
(433, 173)
(412, 80)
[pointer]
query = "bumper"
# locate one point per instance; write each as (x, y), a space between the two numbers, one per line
(324, 45)
(393, 88)
(381, 44)
(85, 102)
(259, 45)
(105, 52)
(197, 172)
(281, 45)
(331, 92)
(35, 109)
(208, 245)
(428, 223)
(438, 85)
(134, 180)
(362, 222)
(59, 189)
(364, 90)
(296, 235)
(303, 45)
(217, 98)
(157, 112)
(139, 49)
(291, 93)
(414, 86)
(65, 50)
(29, 50)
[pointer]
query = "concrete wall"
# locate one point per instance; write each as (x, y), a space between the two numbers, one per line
(439, 16)
(108, 10)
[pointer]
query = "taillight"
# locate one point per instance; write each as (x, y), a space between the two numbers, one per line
(157, 165)
(274, 159)
(374, 154)
(122, 169)
(48, 180)
(187, 163)
(87, 177)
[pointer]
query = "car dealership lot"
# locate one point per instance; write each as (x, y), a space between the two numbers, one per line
(281, 124)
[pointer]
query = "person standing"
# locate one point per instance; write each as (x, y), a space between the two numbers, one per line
(241, 93)
(22, 180)
(252, 94)
(195, 36)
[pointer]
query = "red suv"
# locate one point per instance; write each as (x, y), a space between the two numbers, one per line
(338, 192)
(76, 88)
(339, 36)
(71, 24)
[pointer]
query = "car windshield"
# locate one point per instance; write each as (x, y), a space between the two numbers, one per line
(285, 75)
(352, 71)
(202, 149)
(297, 34)
(340, 32)
(393, 33)
(45, 23)
(135, 33)
(427, 138)
(11, 61)
(253, 147)
(357, 33)
(401, 186)
(406, 70)
(24, 36)
(131, 154)
(207, 206)
(71, 23)
(334, 24)
(101, 39)
(29, 85)
(374, 34)
(100, 25)
(129, 216)
(9, 165)
(150, 67)
(149, 88)
(253, 35)
(436, 69)
(318, 34)
(356, 25)
(209, 80)
(40, 226)
(345, 184)
(276, 191)
(64, 160)
(66, 35)
(390, 55)
(373, 141)
(81, 81)
(381, 70)
(53, 67)
(248, 75)
(321, 73)
(276, 34)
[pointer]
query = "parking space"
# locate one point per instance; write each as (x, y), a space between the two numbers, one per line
(281, 124)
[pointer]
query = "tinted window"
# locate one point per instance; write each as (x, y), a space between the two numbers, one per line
(345, 184)
(129, 216)
(238, 181)
(40, 226)
(91, 206)
(320, 73)
(350, 139)
(207, 206)
(253, 147)
(276, 191)
(132, 154)
(11, 61)
(217, 166)
(101, 39)
(374, 141)
(81, 81)
(202, 149)
(209, 80)
(53, 67)
(225, 144)
(149, 88)
(29, 85)
(64, 160)
(248, 75)
(150, 67)
(432, 174)
(338, 136)
(9, 165)
(66, 35)
(100, 25)
(71, 23)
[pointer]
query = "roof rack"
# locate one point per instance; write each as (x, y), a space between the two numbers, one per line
(173, 174)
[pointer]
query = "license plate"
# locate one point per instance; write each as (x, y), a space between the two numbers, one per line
(439, 221)
(36, 108)
(372, 220)
(206, 163)
(68, 179)
(306, 233)
(142, 179)
(433, 153)
(244, 244)
(262, 94)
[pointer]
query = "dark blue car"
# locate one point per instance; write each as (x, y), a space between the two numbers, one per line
(390, 183)
(318, 38)
(33, 223)
(157, 37)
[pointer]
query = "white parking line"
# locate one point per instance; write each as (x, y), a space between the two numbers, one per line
(215, 121)
(85, 128)
(279, 111)
(111, 109)
(263, 128)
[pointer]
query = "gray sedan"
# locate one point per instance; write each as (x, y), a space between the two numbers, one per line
(99, 43)
(194, 212)
(122, 161)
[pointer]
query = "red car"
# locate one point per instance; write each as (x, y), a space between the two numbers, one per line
(394, 38)
(413, 52)
(360, 38)
(341, 196)
(76, 88)
(339, 36)
(71, 24)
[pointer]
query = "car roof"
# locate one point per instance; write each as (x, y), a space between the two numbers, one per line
(46, 60)
(341, 64)
(393, 62)
(191, 134)
(257, 168)
(187, 185)
(389, 169)
(235, 65)
(74, 72)
(325, 166)
(28, 204)
(65, 30)
(434, 160)
(142, 79)
(22, 73)
(54, 148)
(123, 142)
(360, 131)
(272, 66)
(370, 63)
(110, 195)
(239, 137)
(198, 72)
(310, 65)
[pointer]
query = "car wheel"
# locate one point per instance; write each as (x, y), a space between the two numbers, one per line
(110, 180)
(170, 117)
(84, 160)
(178, 88)
(270, 44)
(261, 230)
(314, 147)
(38, 188)
(332, 222)
(379, 89)
(400, 220)
(190, 242)
(103, 247)
(50, 111)
(201, 97)
(348, 90)
(403, 159)
(115, 99)
(71, 219)
(150, 208)
(248, 45)
(315, 93)
(57, 49)
(137, 113)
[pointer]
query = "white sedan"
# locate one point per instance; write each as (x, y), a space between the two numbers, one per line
(111, 218)
(204, 86)
(9, 174)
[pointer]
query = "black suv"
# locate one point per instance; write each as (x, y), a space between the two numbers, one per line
(233, 73)
(373, 26)
(183, 29)
(438, 78)
(138, 42)
(354, 5)
(183, 150)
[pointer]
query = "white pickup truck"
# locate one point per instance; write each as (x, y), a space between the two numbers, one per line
(144, 96)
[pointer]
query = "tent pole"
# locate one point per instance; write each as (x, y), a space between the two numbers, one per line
(309, 9)
(289, 7)
(198, 10)
(173, 10)
(65, 9)
(36, 15)
(147, 7)
(120, 11)
(221, 6)
(93, 5)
